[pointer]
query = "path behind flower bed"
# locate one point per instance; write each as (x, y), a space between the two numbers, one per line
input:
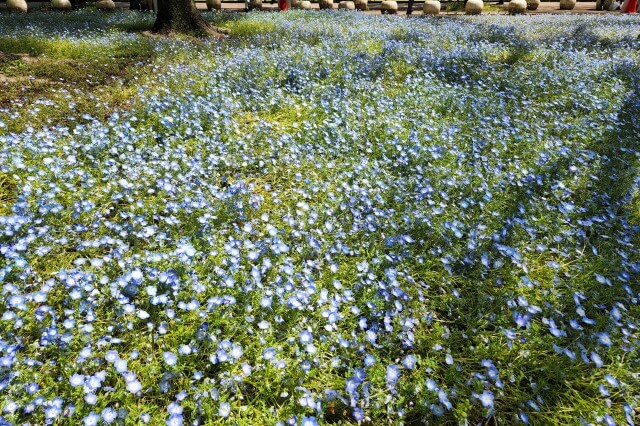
(545, 7)
(588, 7)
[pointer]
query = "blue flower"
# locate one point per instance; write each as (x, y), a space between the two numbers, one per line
(76, 380)
(608, 420)
(109, 415)
(32, 388)
(269, 354)
(611, 380)
(224, 409)
(91, 419)
(305, 337)
(169, 358)
(409, 362)
(357, 414)
(175, 420)
(309, 421)
(486, 398)
(393, 374)
(369, 360)
(604, 339)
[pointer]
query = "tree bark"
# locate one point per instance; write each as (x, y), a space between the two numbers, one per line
(180, 16)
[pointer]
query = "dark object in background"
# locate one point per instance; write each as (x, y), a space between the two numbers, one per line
(139, 5)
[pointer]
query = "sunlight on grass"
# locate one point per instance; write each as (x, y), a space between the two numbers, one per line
(325, 218)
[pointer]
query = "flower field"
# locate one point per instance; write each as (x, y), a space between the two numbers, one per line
(326, 218)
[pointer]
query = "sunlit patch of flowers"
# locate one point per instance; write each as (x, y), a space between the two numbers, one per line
(339, 218)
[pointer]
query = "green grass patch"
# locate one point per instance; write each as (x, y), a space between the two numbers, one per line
(433, 221)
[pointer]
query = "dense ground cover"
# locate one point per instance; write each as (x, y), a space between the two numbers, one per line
(328, 218)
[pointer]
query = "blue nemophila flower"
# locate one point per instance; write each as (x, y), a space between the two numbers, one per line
(269, 354)
(392, 375)
(137, 276)
(120, 365)
(169, 358)
(443, 398)
(175, 420)
(603, 390)
(133, 384)
(409, 362)
(52, 412)
(109, 415)
(246, 369)
(309, 421)
(351, 385)
(555, 331)
(224, 409)
(76, 380)
(597, 360)
(91, 419)
(305, 337)
(358, 414)
(486, 398)
(174, 409)
(265, 302)
(569, 353)
(10, 408)
(307, 401)
(604, 339)
(185, 249)
(369, 360)
(436, 409)
(611, 380)
(32, 388)
(236, 351)
(448, 359)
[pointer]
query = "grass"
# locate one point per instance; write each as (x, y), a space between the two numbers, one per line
(7, 193)
(54, 69)
(432, 182)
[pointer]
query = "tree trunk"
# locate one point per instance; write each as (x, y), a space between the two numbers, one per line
(179, 16)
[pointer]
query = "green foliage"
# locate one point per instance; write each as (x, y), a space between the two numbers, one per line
(98, 75)
(343, 133)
